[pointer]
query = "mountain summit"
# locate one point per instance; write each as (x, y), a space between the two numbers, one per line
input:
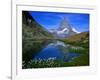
(64, 24)
(65, 29)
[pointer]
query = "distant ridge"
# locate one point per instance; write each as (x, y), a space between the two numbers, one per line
(79, 37)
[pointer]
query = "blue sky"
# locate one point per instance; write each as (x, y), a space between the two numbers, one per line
(51, 20)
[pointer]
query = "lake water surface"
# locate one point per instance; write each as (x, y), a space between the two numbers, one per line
(54, 49)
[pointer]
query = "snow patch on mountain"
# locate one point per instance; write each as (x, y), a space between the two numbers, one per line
(62, 31)
(73, 29)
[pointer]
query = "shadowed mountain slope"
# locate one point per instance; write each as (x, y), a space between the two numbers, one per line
(32, 29)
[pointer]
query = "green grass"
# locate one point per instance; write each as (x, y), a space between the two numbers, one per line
(43, 63)
(76, 43)
(79, 51)
(83, 60)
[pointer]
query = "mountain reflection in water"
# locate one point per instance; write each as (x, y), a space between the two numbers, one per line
(57, 50)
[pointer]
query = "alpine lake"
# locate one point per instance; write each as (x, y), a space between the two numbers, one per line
(53, 53)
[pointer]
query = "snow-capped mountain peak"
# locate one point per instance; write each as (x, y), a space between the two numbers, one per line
(64, 30)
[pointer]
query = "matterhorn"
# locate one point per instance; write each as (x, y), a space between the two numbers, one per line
(65, 29)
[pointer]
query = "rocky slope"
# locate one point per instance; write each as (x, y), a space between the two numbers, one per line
(31, 29)
(79, 37)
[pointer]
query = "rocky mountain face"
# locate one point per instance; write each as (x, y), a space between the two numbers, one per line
(32, 29)
(64, 30)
